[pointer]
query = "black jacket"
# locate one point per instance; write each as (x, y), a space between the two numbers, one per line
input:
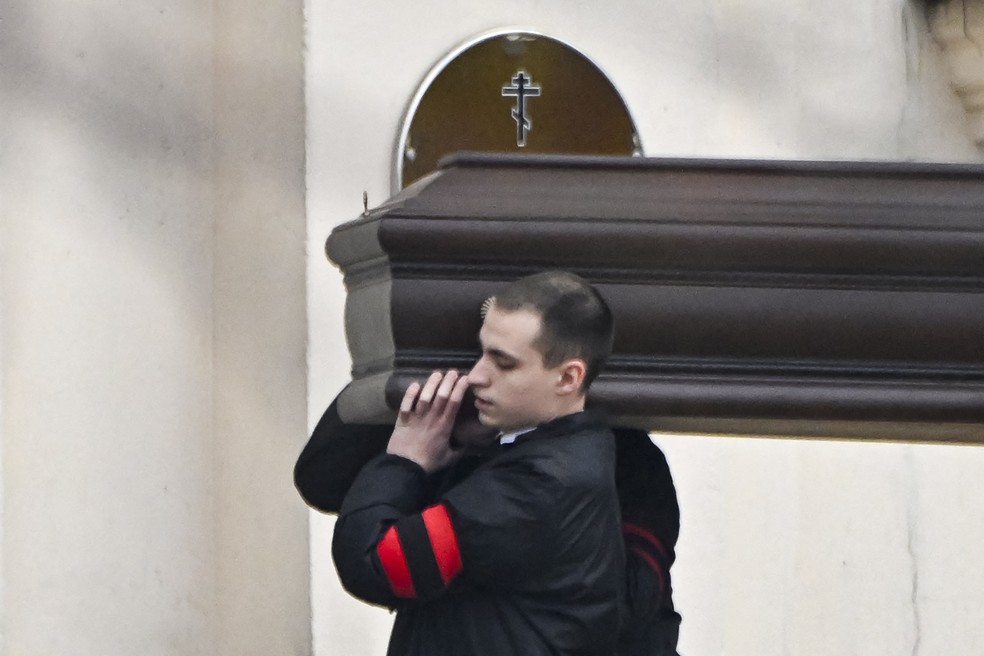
(337, 452)
(522, 556)
(650, 525)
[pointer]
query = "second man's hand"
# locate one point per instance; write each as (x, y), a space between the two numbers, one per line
(423, 427)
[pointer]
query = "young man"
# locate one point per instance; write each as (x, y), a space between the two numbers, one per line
(521, 554)
(647, 498)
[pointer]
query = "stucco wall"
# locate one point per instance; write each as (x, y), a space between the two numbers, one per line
(787, 547)
(153, 328)
(107, 341)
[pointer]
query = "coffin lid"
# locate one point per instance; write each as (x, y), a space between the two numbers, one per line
(833, 299)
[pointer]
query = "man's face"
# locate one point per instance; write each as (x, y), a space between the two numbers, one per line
(512, 387)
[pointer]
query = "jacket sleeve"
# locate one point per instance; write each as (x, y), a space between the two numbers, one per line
(333, 457)
(391, 545)
(507, 518)
(387, 546)
(650, 521)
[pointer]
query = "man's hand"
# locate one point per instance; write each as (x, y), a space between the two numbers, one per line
(423, 427)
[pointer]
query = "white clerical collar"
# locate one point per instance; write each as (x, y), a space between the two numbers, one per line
(509, 438)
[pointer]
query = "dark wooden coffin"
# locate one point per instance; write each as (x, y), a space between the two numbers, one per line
(834, 299)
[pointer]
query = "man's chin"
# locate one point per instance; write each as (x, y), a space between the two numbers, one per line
(487, 421)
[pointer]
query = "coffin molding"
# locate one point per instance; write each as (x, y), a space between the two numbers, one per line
(809, 299)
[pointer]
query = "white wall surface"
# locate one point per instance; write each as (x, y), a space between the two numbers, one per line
(153, 328)
(259, 328)
(787, 547)
(107, 329)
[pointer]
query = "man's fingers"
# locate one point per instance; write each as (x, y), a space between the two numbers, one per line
(444, 391)
(458, 391)
(441, 393)
(427, 394)
(406, 405)
(455, 394)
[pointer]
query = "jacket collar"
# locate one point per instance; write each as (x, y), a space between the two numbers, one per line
(564, 425)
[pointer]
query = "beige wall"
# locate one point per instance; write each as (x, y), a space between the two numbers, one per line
(787, 547)
(153, 328)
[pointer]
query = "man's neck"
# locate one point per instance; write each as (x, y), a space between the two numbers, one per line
(509, 436)
(576, 405)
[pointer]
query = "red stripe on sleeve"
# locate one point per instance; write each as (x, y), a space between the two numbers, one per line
(394, 562)
(653, 564)
(635, 529)
(444, 542)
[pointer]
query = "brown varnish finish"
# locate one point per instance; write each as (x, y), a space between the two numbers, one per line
(826, 299)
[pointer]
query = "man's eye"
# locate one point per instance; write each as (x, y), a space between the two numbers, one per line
(505, 364)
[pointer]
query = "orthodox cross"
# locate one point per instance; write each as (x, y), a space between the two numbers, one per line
(523, 88)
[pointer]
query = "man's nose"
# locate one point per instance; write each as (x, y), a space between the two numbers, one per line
(477, 375)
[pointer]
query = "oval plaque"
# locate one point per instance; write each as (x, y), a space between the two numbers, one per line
(513, 92)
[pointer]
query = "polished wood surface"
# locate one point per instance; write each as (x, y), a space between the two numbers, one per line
(834, 299)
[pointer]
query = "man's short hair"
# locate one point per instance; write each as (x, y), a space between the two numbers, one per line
(576, 322)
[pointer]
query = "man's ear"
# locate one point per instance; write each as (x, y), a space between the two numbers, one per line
(572, 374)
